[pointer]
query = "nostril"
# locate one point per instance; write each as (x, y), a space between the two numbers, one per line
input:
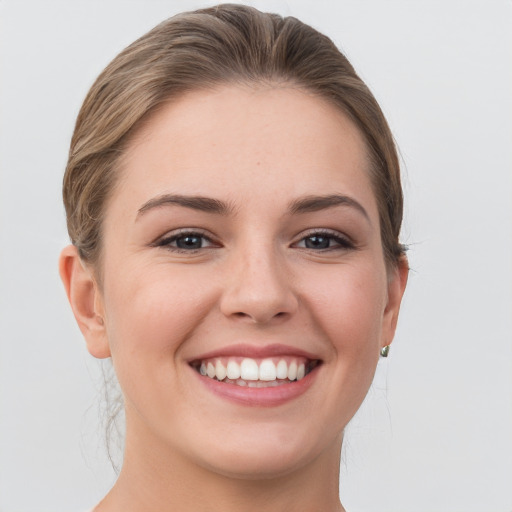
(259, 318)
(260, 304)
(255, 317)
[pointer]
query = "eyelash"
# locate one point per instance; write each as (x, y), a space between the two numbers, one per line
(343, 243)
(182, 234)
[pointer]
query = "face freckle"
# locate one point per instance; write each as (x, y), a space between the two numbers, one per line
(232, 261)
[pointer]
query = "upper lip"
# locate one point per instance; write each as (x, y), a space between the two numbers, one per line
(256, 352)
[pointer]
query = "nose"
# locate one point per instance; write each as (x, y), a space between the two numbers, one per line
(258, 288)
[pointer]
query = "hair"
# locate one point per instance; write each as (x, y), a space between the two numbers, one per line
(227, 44)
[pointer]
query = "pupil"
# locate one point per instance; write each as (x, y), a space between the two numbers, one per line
(317, 242)
(189, 242)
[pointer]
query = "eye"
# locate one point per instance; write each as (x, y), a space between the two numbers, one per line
(186, 241)
(324, 240)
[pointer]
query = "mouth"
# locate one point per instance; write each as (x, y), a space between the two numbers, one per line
(255, 372)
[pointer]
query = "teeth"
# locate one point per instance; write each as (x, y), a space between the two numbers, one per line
(220, 370)
(292, 370)
(257, 383)
(210, 370)
(233, 371)
(266, 372)
(282, 370)
(262, 384)
(249, 369)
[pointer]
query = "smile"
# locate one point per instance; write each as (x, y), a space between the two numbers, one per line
(255, 373)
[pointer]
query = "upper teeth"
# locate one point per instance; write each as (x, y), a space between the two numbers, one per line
(251, 369)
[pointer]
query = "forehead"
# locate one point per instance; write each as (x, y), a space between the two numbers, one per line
(239, 143)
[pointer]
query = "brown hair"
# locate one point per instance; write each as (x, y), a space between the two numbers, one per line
(202, 49)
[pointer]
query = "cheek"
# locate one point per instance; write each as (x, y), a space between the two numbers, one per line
(350, 311)
(149, 317)
(348, 304)
(150, 314)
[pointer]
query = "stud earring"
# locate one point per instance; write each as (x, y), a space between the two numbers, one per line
(384, 351)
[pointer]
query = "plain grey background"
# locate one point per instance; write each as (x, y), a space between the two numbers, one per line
(435, 434)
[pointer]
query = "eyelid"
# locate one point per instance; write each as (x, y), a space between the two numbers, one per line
(170, 236)
(346, 241)
(343, 241)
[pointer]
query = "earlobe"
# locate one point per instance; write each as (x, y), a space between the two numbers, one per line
(397, 282)
(85, 300)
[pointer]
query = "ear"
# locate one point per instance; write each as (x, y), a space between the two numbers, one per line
(397, 281)
(86, 301)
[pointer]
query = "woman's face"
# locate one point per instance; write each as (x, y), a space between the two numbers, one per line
(243, 238)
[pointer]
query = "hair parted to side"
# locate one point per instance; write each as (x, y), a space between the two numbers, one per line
(227, 44)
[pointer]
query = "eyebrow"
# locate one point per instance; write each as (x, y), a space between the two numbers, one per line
(203, 204)
(310, 204)
(307, 204)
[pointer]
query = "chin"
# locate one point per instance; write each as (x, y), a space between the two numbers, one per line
(262, 457)
(256, 466)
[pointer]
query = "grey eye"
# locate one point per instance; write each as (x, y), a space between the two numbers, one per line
(317, 242)
(186, 241)
(325, 240)
(189, 241)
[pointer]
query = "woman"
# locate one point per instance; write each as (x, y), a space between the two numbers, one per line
(234, 204)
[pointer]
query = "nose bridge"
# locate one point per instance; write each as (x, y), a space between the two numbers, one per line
(258, 286)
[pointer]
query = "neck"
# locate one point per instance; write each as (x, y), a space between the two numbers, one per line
(155, 479)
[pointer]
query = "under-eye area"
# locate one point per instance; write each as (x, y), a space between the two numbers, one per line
(248, 248)
(256, 373)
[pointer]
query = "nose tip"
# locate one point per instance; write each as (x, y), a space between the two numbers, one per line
(256, 312)
(259, 292)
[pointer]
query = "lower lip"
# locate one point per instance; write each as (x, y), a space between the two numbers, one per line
(262, 397)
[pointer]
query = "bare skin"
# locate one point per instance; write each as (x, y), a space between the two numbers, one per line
(244, 224)
(309, 489)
